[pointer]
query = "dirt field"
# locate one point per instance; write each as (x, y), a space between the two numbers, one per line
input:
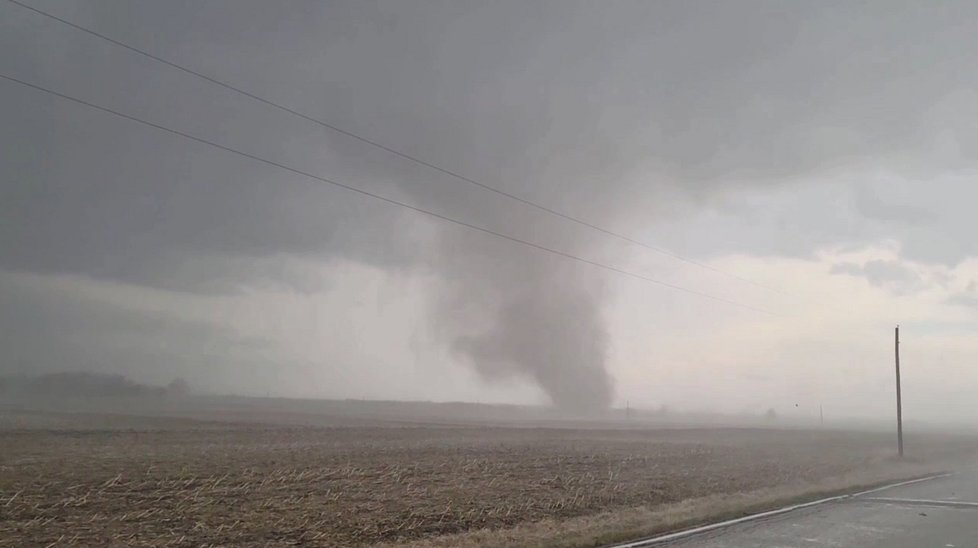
(110, 479)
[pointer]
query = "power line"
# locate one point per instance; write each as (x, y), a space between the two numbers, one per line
(403, 155)
(391, 201)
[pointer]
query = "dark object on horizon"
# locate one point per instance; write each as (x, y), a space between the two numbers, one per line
(178, 387)
(83, 384)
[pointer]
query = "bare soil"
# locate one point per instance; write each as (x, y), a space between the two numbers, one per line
(98, 479)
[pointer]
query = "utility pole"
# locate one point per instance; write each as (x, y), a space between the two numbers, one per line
(821, 416)
(899, 402)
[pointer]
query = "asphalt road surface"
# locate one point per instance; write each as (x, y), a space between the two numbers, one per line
(941, 513)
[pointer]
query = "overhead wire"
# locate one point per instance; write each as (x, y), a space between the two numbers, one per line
(417, 209)
(396, 152)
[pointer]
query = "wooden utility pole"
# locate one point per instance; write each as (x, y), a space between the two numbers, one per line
(899, 402)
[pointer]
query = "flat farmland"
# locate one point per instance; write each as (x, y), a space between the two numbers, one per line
(98, 479)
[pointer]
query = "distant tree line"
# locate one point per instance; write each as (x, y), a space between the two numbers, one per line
(86, 384)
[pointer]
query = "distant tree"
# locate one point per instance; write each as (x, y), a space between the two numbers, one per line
(178, 387)
(771, 414)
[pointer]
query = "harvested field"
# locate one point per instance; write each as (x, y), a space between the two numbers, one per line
(177, 482)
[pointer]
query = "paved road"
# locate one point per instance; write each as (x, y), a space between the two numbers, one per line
(941, 513)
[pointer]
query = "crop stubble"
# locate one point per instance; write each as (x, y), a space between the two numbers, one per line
(260, 485)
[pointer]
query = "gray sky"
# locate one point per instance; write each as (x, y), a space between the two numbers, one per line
(822, 149)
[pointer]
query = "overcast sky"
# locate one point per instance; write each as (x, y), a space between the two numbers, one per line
(818, 158)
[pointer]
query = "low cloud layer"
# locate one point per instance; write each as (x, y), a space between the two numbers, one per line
(893, 274)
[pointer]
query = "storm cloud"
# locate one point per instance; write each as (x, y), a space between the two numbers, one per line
(751, 127)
